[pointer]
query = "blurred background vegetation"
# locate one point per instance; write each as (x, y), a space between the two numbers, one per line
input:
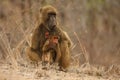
(93, 26)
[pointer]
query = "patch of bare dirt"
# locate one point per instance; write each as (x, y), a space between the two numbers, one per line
(84, 72)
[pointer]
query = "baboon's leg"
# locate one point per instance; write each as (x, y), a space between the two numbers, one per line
(33, 55)
(65, 55)
(58, 53)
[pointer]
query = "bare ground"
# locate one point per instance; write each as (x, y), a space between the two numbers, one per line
(84, 72)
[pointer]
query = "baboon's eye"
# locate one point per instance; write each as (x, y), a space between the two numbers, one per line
(51, 14)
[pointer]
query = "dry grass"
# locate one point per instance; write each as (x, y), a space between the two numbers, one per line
(15, 32)
(16, 66)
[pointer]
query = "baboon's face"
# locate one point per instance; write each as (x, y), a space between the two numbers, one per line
(48, 15)
(51, 20)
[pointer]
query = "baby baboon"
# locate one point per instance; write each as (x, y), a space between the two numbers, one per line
(52, 48)
(47, 30)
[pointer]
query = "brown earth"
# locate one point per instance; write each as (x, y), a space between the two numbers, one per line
(84, 72)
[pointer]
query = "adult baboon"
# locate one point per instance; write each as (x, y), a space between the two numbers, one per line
(49, 27)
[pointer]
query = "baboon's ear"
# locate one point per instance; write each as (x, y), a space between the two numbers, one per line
(40, 10)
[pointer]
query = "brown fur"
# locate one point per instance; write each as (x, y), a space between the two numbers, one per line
(53, 48)
(33, 55)
(39, 42)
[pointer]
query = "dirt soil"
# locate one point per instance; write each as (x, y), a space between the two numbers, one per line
(84, 72)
